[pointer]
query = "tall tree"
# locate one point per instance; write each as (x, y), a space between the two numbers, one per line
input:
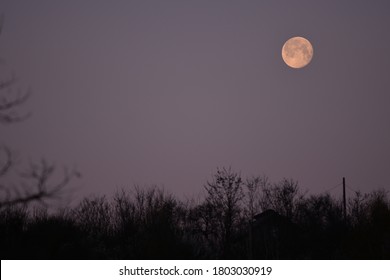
(225, 194)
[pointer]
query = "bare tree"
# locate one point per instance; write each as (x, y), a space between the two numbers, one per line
(283, 197)
(224, 195)
(253, 189)
(36, 182)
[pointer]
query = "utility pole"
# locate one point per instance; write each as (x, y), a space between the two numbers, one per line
(344, 202)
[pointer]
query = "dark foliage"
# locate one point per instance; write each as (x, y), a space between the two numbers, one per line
(151, 224)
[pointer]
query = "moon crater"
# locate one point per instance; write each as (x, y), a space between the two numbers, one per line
(297, 52)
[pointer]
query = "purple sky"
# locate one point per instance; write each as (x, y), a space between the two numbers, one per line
(164, 92)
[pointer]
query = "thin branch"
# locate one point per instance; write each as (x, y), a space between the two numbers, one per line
(8, 161)
(19, 99)
(40, 190)
(9, 105)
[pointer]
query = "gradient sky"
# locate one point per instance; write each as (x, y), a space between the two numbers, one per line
(164, 92)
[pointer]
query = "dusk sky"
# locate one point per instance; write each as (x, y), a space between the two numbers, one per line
(164, 92)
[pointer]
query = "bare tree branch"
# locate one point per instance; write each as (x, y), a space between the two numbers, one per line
(11, 98)
(8, 161)
(37, 182)
(11, 101)
(224, 195)
(39, 187)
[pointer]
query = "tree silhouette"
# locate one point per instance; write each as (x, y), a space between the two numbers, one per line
(148, 223)
(36, 183)
(253, 191)
(224, 195)
(283, 197)
(11, 97)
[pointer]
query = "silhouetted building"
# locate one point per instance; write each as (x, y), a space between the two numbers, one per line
(274, 237)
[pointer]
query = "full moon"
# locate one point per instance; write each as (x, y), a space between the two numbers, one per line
(297, 52)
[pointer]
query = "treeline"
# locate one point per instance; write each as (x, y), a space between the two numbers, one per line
(238, 219)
